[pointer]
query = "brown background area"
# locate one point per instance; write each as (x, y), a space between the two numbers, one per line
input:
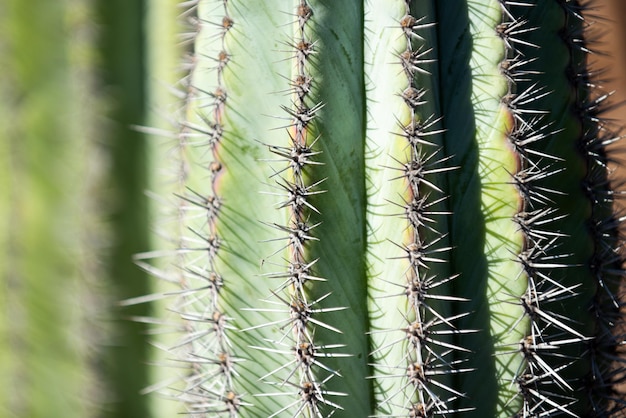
(608, 36)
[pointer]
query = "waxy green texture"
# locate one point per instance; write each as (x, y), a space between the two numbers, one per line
(380, 212)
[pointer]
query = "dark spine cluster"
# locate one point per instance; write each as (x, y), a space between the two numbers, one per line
(545, 384)
(431, 357)
(209, 386)
(305, 375)
(540, 384)
(607, 370)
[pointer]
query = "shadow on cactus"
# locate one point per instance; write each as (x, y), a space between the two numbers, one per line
(396, 209)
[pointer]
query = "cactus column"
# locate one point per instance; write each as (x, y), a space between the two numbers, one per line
(381, 212)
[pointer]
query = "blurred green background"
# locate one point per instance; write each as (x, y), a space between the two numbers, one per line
(73, 203)
(77, 76)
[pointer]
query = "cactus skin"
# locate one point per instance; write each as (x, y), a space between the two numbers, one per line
(382, 212)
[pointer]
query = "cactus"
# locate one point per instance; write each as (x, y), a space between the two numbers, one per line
(65, 249)
(52, 231)
(395, 208)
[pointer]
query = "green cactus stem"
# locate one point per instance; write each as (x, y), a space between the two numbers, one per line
(395, 209)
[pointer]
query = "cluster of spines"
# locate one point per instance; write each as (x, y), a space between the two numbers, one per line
(608, 368)
(541, 384)
(305, 372)
(430, 356)
(209, 386)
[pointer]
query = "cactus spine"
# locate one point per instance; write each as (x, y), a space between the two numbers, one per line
(403, 237)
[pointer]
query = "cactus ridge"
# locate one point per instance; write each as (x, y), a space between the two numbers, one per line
(539, 382)
(210, 386)
(430, 356)
(306, 371)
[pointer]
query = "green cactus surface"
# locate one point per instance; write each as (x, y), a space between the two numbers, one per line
(390, 209)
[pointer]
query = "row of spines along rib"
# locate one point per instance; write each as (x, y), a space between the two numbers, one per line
(560, 343)
(541, 385)
(209, 385)
(430, 356)
(304, 373)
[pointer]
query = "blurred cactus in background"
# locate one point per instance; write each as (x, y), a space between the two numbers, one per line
(69, 227)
